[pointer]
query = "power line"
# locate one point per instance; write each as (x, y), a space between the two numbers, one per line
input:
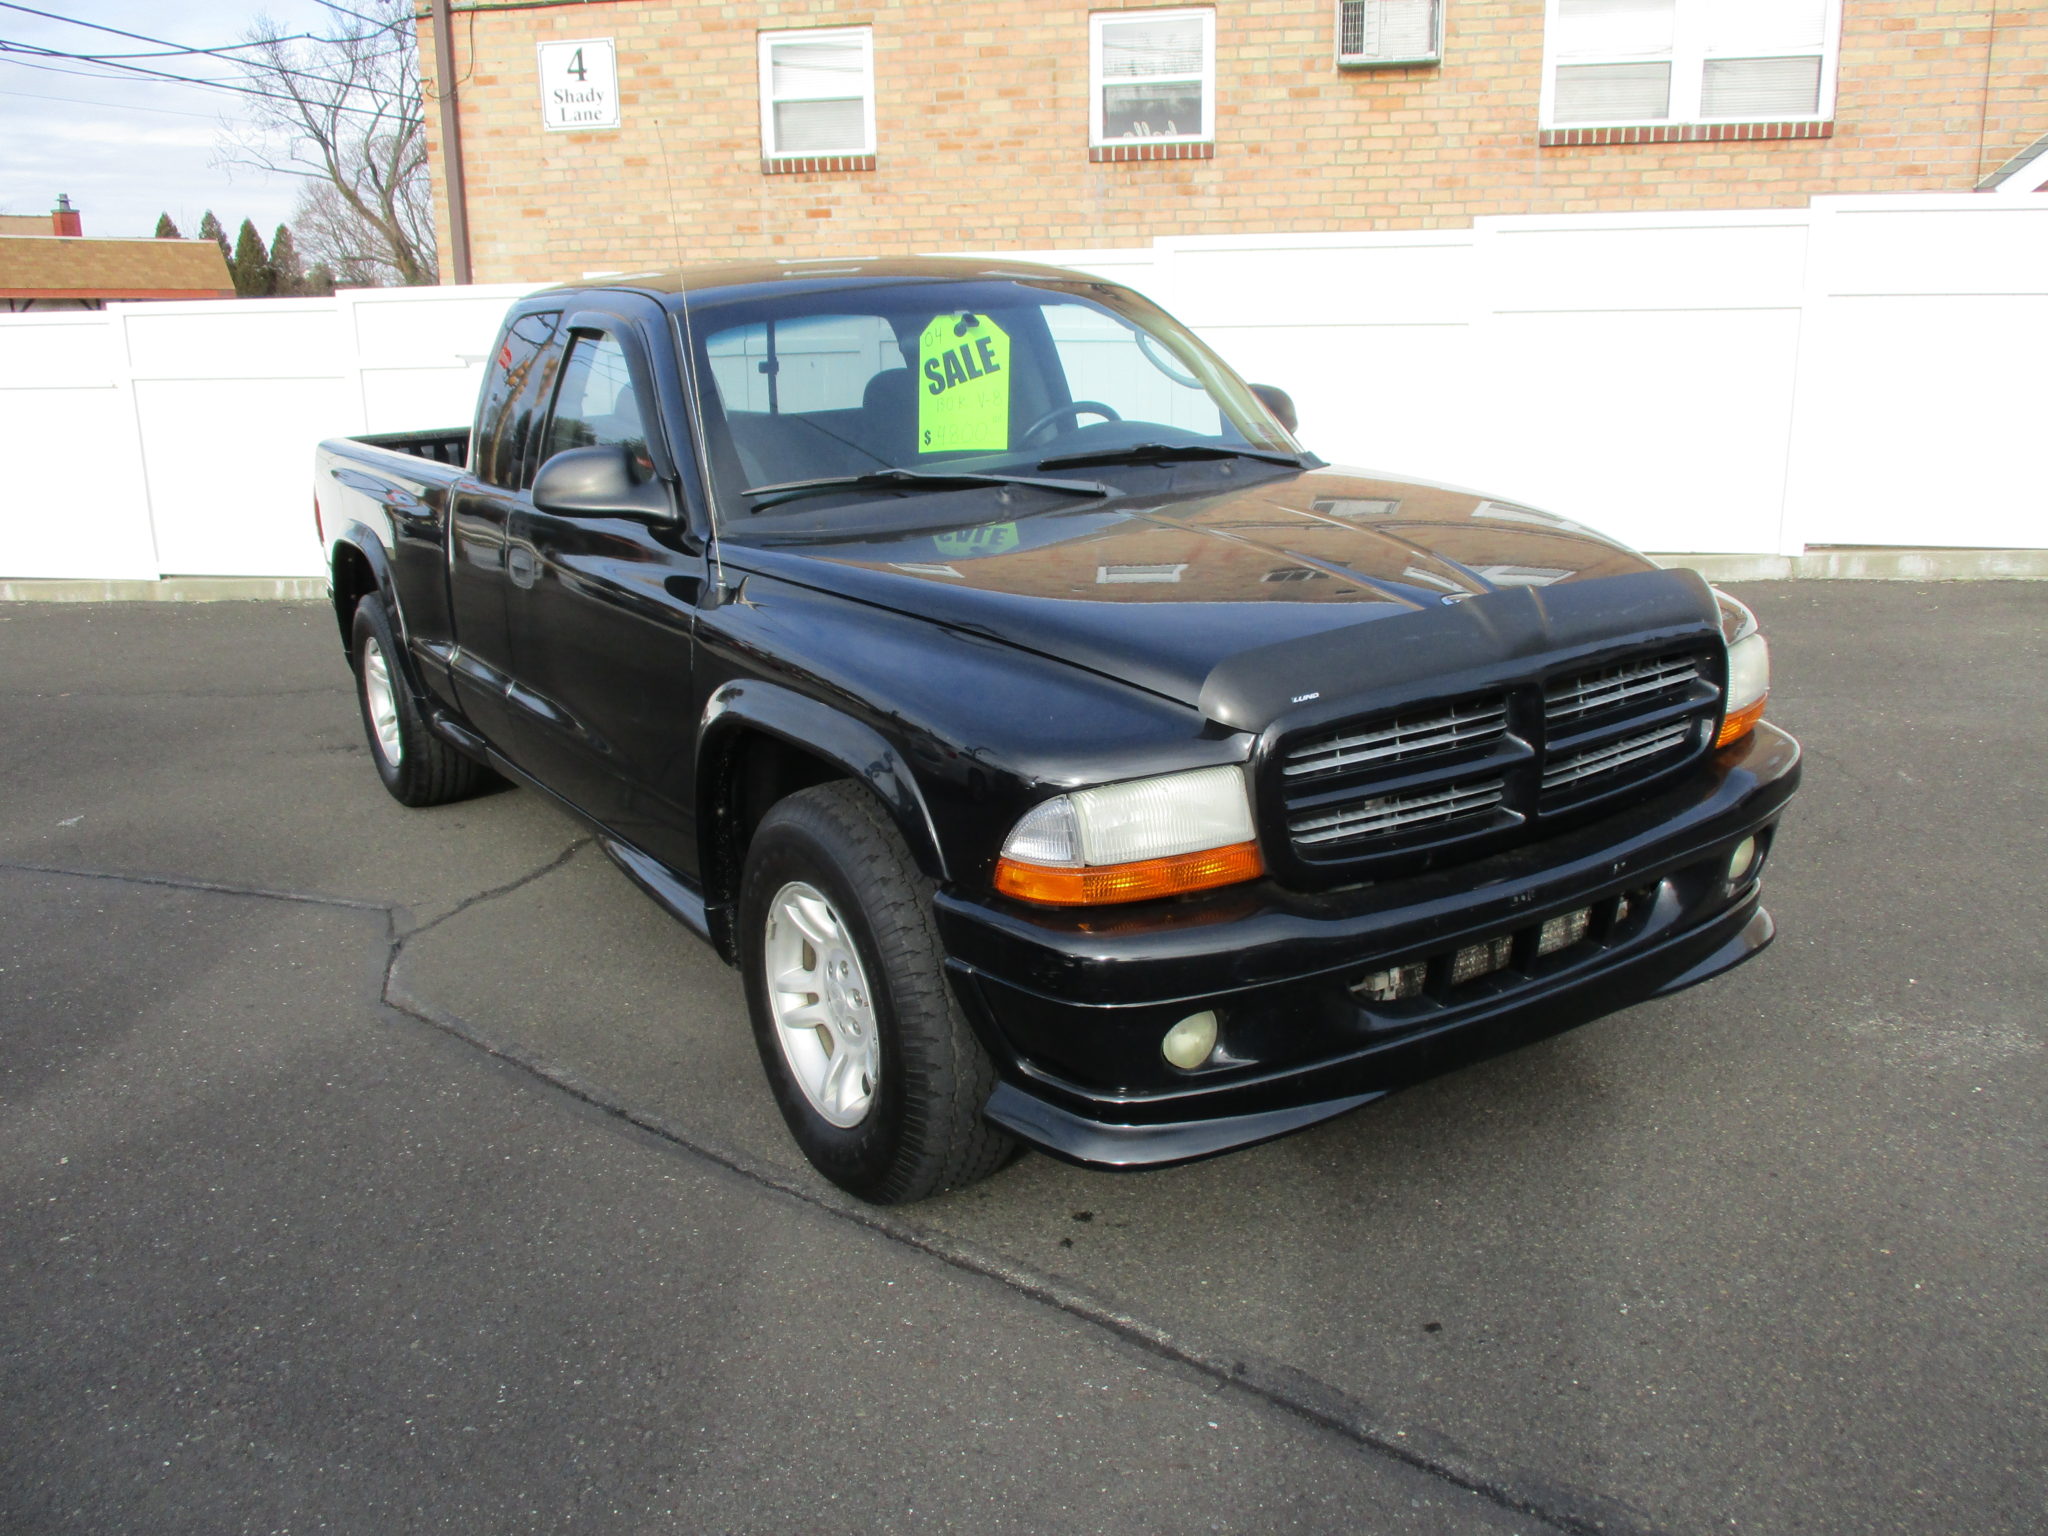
(180, 53)
(143, 37)
(115, 106)
(29, 10)
(388, 25)
(180, 49)
(8, 47)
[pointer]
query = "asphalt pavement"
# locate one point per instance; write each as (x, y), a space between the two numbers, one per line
(365, 1169)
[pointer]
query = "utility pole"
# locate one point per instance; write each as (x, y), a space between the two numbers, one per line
(451, 143)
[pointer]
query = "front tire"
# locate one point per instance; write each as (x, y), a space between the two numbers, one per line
(877, 1074)
(415, 765)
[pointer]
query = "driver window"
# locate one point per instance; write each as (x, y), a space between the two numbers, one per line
(1106, 360)
(597, 405)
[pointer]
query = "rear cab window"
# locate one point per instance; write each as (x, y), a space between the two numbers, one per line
(504, 449)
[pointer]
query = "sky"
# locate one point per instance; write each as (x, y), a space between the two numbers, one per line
(123, 147)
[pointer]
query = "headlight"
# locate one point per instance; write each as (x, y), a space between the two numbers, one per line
(1737, 622)
(1162, 836)
(1749, 671)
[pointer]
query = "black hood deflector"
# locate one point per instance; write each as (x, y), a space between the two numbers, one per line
(1388, 656)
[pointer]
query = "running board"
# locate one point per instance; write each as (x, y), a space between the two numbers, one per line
(675, 895)
(459, 736)
(681, 902)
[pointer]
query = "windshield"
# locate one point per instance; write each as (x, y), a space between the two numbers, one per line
(946, 379)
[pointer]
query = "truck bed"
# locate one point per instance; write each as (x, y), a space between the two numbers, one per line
(444, 445)
(390, 481)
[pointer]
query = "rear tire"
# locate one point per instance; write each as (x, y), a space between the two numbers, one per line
(878, 1076)
(416, 766)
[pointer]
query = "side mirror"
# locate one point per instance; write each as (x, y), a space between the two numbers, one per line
(1280, 403)
(598, 482)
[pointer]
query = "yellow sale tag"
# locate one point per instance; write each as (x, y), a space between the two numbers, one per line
(963, 400)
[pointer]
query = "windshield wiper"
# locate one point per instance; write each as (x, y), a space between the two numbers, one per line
(1165, 453)
(912, 480)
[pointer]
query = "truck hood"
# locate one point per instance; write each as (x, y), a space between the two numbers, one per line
(1157, 591)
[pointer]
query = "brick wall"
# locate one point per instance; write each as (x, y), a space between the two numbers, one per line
(982, 132)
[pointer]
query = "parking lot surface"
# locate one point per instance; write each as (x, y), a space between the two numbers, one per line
(338, 1198)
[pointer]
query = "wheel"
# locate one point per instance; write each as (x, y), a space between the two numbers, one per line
(877, 1074)
(416, 765)
(1061, 412)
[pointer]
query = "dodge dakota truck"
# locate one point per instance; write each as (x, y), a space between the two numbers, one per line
(1061, 752)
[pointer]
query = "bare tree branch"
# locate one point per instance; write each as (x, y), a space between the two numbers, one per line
(346, 115)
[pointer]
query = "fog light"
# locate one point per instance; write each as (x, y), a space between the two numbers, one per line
(1742, 861)
(1188, 1044)
(1394, 985)
(1481, 959)
(1563, 932)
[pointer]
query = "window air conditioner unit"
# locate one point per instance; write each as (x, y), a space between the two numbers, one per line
(1371, 32)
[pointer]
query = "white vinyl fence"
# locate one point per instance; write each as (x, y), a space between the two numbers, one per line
(176, 439)
(1866, 371)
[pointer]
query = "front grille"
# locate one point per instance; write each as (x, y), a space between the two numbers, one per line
(1384, 815)
(1615, 756)
(1400, 739)
(1367, 790)
(1632, 684)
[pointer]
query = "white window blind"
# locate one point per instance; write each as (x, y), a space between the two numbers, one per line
(1760, 87)
(1613, 93)
(1628, 62)
(1153, 76)
(817, 93)
(1387, 31)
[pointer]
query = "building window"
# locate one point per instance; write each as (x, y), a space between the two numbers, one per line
(1152, 77)
(817, 94)
(1115, 575)
(1376, 32)
(1642, 63)
(1367, 506)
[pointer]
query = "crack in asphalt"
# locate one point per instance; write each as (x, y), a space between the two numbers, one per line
(400, 940)
(216, 887)
(1287, 1388)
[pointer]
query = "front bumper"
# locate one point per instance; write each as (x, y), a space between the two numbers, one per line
(1073, 1006)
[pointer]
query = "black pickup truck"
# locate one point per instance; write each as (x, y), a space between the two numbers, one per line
(1060, 751)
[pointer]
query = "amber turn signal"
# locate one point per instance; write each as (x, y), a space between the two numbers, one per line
(1740, 722)
(1107, 884)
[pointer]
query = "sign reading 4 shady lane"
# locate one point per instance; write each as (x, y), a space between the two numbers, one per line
(963, 397)
(579, 85)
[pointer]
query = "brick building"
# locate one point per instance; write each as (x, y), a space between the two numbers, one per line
(749, 127)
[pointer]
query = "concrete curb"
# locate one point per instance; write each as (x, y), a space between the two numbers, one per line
(1852, 564)
(1825, 564)
(171, 589)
